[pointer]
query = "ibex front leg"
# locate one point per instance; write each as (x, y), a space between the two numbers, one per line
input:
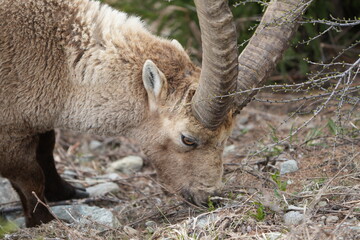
(56, 188)
(19, 165)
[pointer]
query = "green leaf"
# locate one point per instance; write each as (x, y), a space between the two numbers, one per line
(7, 227)
(332, 127)
(260, 212)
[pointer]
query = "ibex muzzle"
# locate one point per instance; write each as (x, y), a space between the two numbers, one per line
(80, 65)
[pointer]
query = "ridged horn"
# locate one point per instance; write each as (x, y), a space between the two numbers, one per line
(219, 63)
(267, 45)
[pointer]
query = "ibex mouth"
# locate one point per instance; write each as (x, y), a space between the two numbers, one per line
(198, 197)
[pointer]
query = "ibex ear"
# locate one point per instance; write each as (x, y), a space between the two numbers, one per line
(154, 83)
(177, 44)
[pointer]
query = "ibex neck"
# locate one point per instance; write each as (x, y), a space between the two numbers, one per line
(102, 110)
(106, 95)
(105, 57)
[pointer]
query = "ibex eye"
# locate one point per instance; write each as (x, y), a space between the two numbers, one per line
(188, 141)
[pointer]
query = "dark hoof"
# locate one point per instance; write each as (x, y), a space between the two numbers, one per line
(80, 193)
(38, 216)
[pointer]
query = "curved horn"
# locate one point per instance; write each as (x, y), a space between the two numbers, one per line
(267, 46)
(219, 62)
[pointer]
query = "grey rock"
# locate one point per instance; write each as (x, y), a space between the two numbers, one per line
(322, 204)
(295, 208)
(249, 126)
(288, 167)
(7, 193)
(83, 215)
(128, 165)
(331, 219)
(293, 218)
(151, 226)
(131, 231)
(95, 145)
(229, 150)
(203, 222)
(243, 119)
(86, 158)
(354, 228)
(284, 156)
(89, 170)
(109, 176)
(86, 215)
(69, 174)
(322, 220)
(273, 235)
(102, 189)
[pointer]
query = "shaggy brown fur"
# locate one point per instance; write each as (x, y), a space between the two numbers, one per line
(76, 64)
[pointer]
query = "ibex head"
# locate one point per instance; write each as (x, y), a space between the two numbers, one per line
(191, 123)
(185, 153)
(188, 127)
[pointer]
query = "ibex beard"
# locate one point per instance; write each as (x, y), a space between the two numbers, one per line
(82, 66)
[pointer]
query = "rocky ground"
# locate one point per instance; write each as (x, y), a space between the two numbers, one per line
(277, 186)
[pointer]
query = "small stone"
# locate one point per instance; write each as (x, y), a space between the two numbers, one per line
(229, 150)
(295, 208)
(288, 167)
(273, 235)
(69, 174)
(150, 226)
(102, 189)
(352, 220)
(284, 156)
(204, 221)
(7, 193)
(109, 176)
(252, 191)
(95, 145)
(322, 220)
(86, 158)
(331, 219)
(354, 228)
(243, 119)
(89, 170)
(85, 215)
(293, 218)
(131, 232)
(81, 215)
(128, 165)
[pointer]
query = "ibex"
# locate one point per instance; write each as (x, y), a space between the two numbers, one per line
(80, 65)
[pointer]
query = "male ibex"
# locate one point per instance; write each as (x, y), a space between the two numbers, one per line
(80, 65)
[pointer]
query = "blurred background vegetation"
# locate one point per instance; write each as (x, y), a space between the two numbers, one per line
(176, 19)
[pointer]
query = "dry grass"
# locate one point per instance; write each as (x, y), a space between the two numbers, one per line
(255, 197)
